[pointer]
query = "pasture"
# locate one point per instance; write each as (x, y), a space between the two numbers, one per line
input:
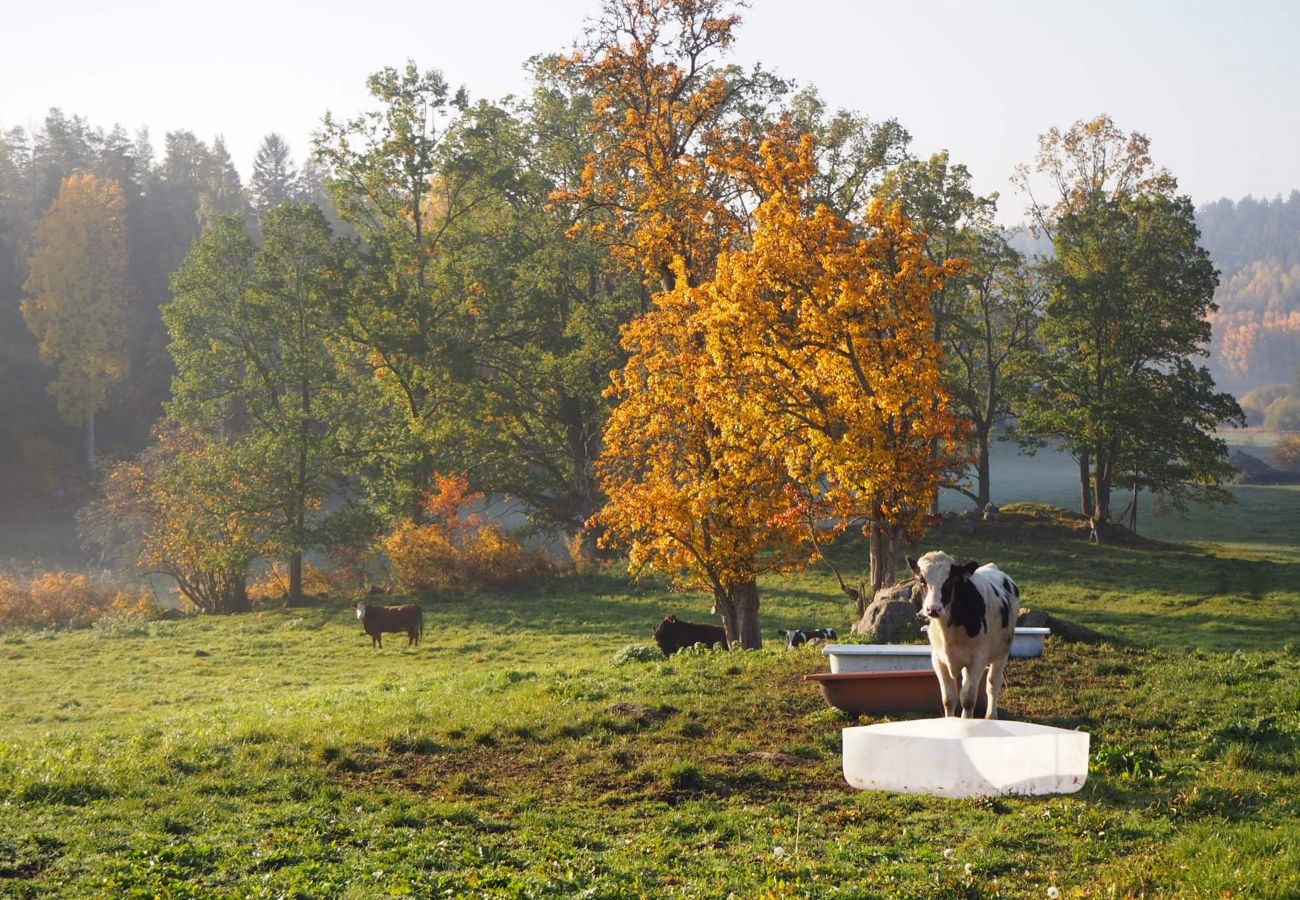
(518, 753)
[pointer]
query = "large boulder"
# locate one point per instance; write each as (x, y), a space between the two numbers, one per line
(1070, 632)
(891, 617)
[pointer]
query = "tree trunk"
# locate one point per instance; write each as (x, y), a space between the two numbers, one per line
(1085, 485)
(295, 578)
(982, 490)
(91, 462)
(725, 608)
(1133, 513)
(1101, 492)
(883, 545)
(749, 629)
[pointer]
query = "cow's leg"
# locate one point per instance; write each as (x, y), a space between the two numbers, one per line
(996, 679)
(970, 687)
(947, 688)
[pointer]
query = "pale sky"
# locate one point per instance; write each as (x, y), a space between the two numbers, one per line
(1215, 85)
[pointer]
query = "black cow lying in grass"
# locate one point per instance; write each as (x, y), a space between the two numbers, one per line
(796, 637)
(377, 619)
(672, 635)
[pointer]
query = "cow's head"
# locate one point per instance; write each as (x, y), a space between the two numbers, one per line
(939, 575)
(361, 610)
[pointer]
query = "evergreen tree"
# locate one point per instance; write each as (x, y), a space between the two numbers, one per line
(274, 178)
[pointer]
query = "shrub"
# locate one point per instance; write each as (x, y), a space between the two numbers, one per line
(637, 653)
(273, 585)
(64, 599)
(455, 550)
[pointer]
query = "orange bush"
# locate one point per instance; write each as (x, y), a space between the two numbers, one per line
(456, 551)
(59, 599)
(274, 584)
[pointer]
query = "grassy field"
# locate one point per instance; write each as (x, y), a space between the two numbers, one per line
(518, 753)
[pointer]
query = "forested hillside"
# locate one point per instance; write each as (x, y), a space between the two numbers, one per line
(165, 204)
(1256, 246)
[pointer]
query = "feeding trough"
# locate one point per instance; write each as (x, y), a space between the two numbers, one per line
(877, 657)
(913, 690)
(954, 757)
(1028, 642)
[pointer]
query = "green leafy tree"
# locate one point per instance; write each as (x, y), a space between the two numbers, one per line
(394, 182)
(262, 375)
(1093, 179)
(1128, 310)
(986, 315)
(77, 302)
(544, 311)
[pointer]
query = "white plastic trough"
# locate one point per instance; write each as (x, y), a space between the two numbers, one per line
(1028, 642)
(954, 757)
(877, 657)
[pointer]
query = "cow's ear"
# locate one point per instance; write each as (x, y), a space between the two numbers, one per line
(969, 568)
(670, 618)
(911, 564)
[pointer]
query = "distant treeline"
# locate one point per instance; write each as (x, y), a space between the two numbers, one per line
(168, 201)
(1256, 246)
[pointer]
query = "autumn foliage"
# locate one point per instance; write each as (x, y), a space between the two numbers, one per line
(451, 549)
(821, 331)
(59, 599)
(787, 364)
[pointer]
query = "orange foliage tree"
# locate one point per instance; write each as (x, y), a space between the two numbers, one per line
(821, 333)
(176, 509)
(788, 363)
(660, 186)
(77, 304)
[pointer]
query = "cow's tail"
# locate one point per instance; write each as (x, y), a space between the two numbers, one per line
(419, 624)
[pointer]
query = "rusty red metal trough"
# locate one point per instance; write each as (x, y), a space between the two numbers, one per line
(909, 690)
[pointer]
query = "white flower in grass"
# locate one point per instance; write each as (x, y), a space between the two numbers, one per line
(1054, 892)
(778, 852)
(949, 853)
(969, 868)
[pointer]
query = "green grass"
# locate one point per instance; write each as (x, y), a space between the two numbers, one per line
(276, 754)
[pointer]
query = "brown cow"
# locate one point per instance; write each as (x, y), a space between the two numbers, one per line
(377, 619)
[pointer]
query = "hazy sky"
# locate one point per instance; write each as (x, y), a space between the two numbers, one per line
(1215, 85)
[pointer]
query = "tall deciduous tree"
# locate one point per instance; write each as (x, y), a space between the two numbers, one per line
(1129, 309)
(393, 180)
(260, 372)
(986, 315)
(666, 111)
(544, 311)
(77, 302)
(821, 337)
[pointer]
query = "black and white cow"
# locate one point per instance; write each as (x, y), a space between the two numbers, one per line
(800, 636)
(972, 611)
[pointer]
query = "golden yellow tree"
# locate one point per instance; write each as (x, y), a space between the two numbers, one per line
(77, 304)
(688, 497)
(820, 344)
